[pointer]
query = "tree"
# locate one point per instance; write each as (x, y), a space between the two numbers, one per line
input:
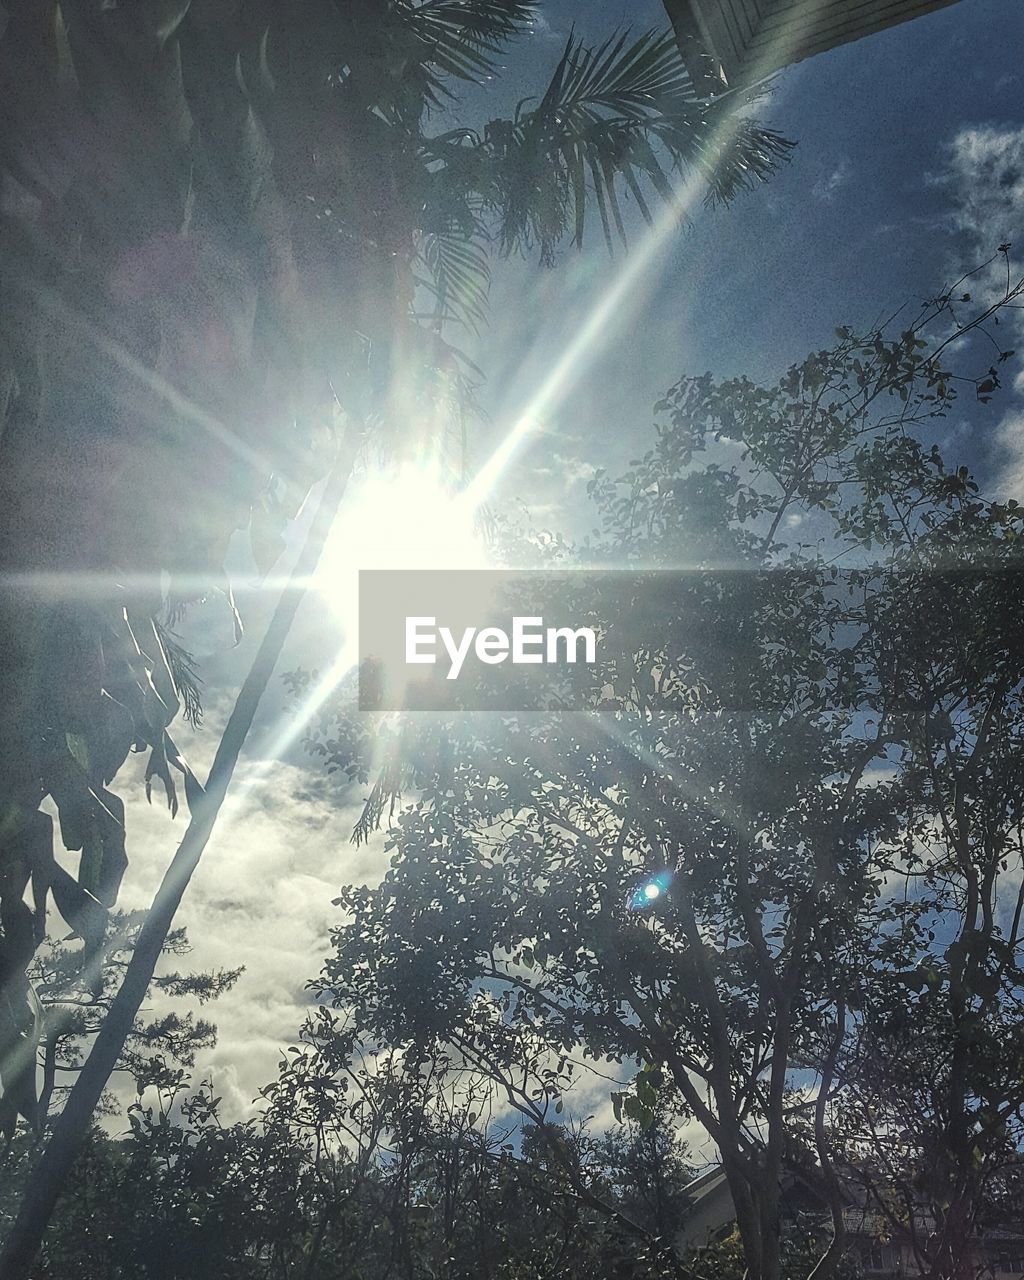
(937, 1054)
(158, 1051)
(511, 929)
(649, 1169)
(462, 1189)
(216, 218)
(423, 1184)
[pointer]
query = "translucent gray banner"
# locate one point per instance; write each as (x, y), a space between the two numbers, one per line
(734, 640)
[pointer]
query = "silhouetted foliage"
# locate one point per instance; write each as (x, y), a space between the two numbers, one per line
(220, 226)
(879, 744)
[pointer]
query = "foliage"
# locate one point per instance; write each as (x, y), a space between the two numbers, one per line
(937, 1052)
(74, 992)
(831, 864)
(508, 932)
(420, 1190)
(218, 220)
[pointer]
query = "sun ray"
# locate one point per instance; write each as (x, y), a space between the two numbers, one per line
(610, 314)
(409, 520)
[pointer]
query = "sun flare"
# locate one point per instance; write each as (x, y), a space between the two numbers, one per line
(405, 518)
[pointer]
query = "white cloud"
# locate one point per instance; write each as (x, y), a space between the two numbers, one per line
(826, 187)
(984, 175)
(573, 470)
(541, 28)
(985, 172)
(984, 179)
(1010, 450)
(261, 898)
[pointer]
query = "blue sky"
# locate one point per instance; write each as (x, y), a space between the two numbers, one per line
(910, 161)
(871, 211)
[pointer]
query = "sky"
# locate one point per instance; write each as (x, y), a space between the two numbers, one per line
(909, 163)
(877, 207)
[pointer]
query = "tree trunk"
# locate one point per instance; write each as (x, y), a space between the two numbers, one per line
(71, 1127)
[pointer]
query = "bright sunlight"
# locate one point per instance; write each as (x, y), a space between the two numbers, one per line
(404, 518)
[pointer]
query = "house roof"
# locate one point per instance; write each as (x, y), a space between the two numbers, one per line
(727, 44)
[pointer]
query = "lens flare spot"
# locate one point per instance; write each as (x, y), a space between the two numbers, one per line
(653, 888)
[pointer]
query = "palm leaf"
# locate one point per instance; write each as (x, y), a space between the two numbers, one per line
(461, 39)
(184, 673)
(460, 275)
(627, 80)
(613, 120)
(485, 25)
(747, 155)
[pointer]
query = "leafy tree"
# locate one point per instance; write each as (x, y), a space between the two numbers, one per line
(937, 1054)
(182, 1196)
(510, 929)
(461, 1189)
(648, 1168)
(221, 221)
(159, 1050)
(421, 1187)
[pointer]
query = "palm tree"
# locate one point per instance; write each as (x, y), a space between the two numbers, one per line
(228, 230)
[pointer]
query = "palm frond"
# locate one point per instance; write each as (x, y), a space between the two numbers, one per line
(484, 24)
(460, 276)
(614, 124)
(748, 154)
(616, 121)
(461, 39)
(184, 673)
(627, 80)
(453, 237)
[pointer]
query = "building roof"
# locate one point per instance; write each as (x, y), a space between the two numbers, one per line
(727, 44)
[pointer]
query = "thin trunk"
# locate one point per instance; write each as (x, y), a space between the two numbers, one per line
(746, 1189)
(770, 1206)
(49, 1048)
(71, 1127)
(828, 1263)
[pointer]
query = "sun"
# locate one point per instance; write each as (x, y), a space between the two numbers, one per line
(400, 518)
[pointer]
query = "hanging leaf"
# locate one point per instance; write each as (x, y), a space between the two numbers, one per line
(117, 733)
(70, 791)
(236, 617)
(113, 861)
(79, 748)
(158, 768)
(82, 911)
(194, 790)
